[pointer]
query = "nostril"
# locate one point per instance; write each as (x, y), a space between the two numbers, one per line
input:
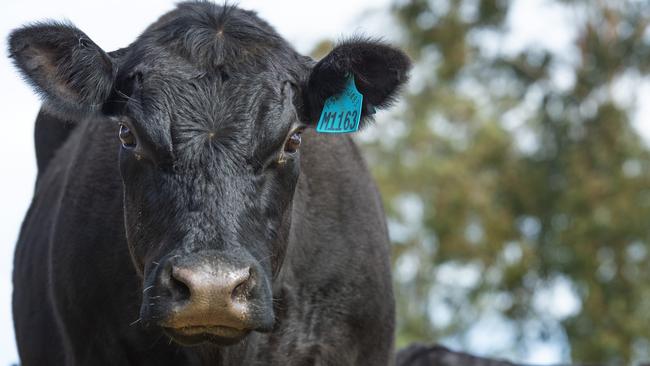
(179, 289)
(243, 285)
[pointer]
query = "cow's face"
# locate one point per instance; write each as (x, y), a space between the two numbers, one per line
(209, 166)
(208, 108)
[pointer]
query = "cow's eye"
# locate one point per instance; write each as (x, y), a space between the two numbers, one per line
(292, 144)
(126, 137)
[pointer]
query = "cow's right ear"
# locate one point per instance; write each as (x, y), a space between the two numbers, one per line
(71, 73)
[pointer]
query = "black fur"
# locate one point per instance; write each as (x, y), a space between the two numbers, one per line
(211, 94)
(72, 74)
(422, 355)
(378, 69)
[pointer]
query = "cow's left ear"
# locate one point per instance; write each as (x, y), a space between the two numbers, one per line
(379, 70)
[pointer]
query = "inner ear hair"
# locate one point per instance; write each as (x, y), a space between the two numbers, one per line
(71, 73)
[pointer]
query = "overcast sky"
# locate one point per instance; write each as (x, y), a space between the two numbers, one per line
(114, 24)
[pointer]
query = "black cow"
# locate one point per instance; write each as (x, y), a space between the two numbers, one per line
(185, 210)
(435, 355)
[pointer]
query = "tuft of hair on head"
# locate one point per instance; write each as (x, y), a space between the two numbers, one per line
(217, 37)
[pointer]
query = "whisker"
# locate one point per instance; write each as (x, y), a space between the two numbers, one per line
(135, 322)
(127, 97)
(147, 289)
(157, 340)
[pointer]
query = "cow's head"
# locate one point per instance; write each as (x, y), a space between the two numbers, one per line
(208, 104)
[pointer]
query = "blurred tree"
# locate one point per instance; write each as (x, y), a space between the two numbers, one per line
(511, 175)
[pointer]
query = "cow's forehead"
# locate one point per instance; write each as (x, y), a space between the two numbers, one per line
(217, 39)
(189, 114)
(216, 71)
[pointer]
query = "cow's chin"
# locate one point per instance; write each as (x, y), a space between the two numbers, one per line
(195, 335)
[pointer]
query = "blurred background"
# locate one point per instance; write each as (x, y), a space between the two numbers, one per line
(515, 170)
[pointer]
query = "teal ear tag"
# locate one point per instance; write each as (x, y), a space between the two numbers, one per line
(342, 112)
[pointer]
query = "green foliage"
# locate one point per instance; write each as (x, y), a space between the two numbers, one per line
(493, 167)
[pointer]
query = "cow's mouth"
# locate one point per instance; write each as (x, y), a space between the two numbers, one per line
(193, 335)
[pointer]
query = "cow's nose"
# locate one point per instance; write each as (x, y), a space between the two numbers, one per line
(203, 285)
(204, 297)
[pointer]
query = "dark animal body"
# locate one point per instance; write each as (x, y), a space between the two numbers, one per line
(186, 212)
(422, 355)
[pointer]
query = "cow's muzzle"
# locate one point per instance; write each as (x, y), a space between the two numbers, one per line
(202, 298)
